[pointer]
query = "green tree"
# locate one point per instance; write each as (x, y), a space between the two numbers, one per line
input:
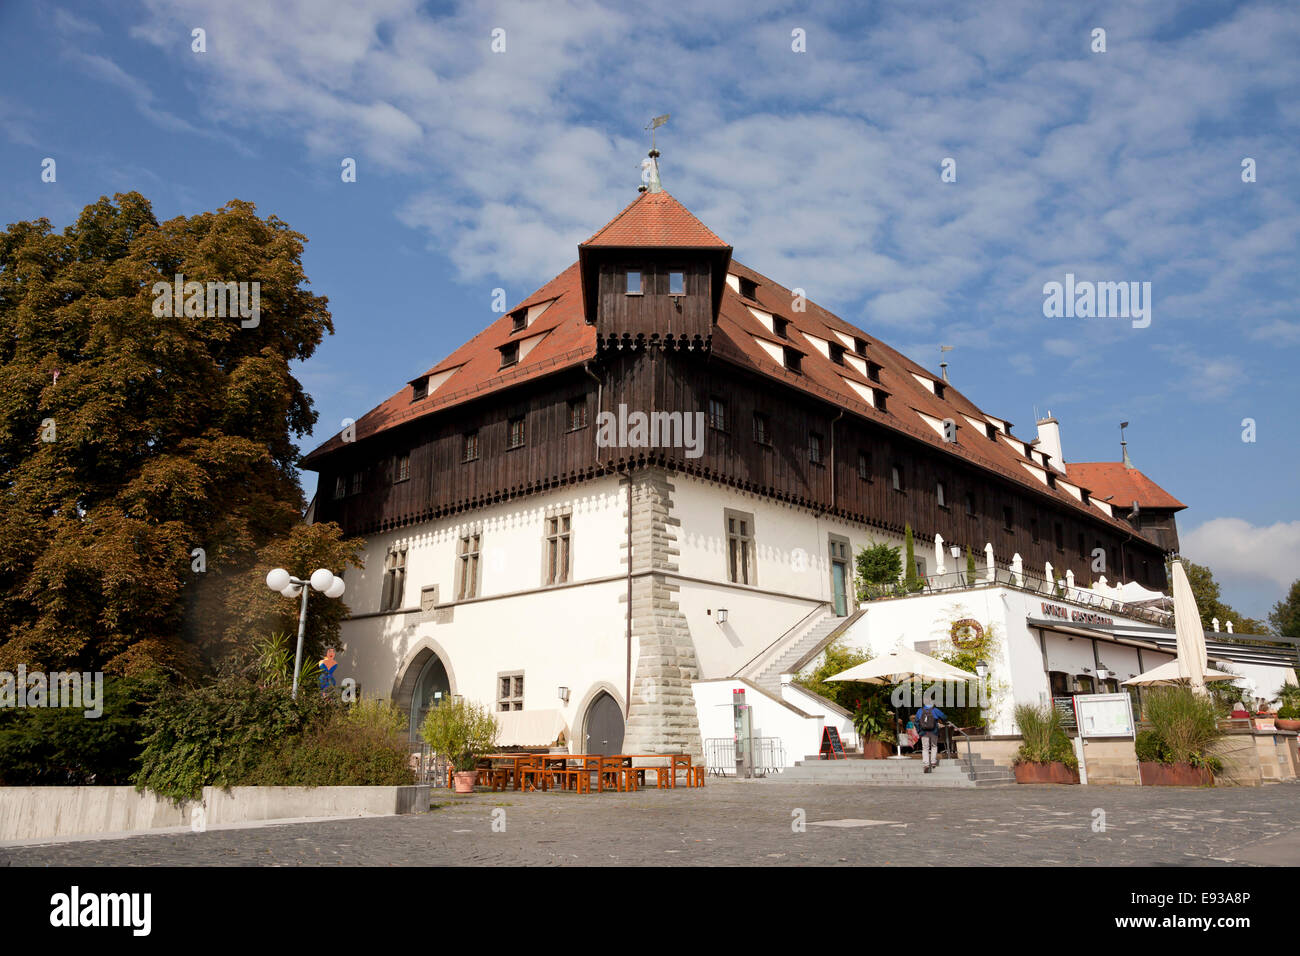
(878, 564)
(970, 566)
(1285, 616)
(1206, 591)
(910, 579)
(128, 439)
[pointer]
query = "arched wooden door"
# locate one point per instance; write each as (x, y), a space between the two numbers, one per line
(604, 734)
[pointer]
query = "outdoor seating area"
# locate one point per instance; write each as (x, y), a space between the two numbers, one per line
(585, 773)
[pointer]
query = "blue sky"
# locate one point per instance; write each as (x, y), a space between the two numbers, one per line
(479, 169)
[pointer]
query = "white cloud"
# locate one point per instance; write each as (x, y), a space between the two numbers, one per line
(1241, 553)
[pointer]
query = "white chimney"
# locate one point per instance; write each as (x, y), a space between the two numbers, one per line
(1049, 442)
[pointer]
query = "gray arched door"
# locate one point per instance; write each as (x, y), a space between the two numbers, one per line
(431, 689)
(604, 726)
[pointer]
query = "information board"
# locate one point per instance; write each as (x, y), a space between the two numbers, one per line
(832, 748)
(1105, 715)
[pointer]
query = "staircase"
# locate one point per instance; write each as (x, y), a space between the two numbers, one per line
(908, 772)
(802, 648)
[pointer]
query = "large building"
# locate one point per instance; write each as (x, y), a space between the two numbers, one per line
(655, 471)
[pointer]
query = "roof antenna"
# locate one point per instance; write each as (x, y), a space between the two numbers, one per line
(943, 364)
(650, 168)
(1123, 445)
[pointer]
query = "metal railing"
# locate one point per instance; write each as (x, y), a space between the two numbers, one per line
(1025, 581)
(720, 756)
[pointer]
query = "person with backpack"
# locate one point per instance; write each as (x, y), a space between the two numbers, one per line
(928, 719)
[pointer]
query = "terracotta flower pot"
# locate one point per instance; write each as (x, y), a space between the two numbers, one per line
(1174, 775)
(1286, 723)
(1045, 773)
(876, 750)
(464, 780)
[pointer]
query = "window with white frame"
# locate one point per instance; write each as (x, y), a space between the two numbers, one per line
(559, 536)
(394, 580)
(740, 547)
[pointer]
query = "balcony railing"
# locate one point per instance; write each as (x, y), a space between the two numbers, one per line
(1026, 581)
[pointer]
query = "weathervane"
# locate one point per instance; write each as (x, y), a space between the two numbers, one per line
(943, 365)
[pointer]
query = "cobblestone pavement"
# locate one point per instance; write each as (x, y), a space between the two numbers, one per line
(753, 823)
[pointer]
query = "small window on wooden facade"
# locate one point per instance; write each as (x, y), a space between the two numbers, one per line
(1033, 530)
(471, 446)
(340, 487)
(1060, 536)
(358, 478)
(762, 429)
(402, 468)
(633, 283)
(793, 360)
(420, 388)
(467, 566)
(510, 691)
(748, 288)
(814, 448)
(577, 414)
(780, 327)
(677, 283)
(864, 466)
(558, 536)
(939, 498)
(873, 372)
(882, 400)
(860, 346)
(515, 430)
(394, 580)
(1007, 519)
(518, 320)
(896, 477)
(740, 548)
(837, 353)
(509, 354)
(939, 389)
(970, 502)
(717, 414)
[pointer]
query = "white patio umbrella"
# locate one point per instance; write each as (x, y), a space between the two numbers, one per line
(989, 574)
(1018, 569)
(903, 665)
(1171, 672)
(1188, 631)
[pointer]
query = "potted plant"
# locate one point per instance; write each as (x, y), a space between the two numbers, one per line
(1175, 750)
(875, 725)
(1288, 715)
(462, 732)
(1046, 754)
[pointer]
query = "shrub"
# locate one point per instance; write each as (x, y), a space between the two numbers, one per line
(60, 746)
(877, 566)
(1044, 740)
(344, 750)
(1289, 712)
(1150, 748)
(1185, 722)
(460, 731)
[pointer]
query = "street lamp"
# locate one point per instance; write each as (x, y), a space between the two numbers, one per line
(323, 580)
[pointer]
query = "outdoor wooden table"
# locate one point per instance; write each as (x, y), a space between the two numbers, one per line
(676, 762)
(514, 761)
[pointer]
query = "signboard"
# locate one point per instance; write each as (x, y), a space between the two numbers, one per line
(1065, 707)
(1068, 614)
(1105, 715)
(832, 748)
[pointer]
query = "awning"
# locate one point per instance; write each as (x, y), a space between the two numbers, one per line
(531, 728)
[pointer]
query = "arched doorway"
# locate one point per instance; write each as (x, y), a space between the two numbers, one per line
(603, 726)
(431, 688)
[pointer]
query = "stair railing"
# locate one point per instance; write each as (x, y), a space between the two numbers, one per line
(970, 760)
(798, 624)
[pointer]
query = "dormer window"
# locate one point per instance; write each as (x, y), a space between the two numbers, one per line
(1051, 479)
(420, 388)
(509, 354)
(991, 431)
(837, 353)
(793, 360)
(873, 371)
(882, 400)
(860, 346)
(780, 327)
(518, 320)
(748, 288)
(939, 389)
(634, 283)
(677, 283)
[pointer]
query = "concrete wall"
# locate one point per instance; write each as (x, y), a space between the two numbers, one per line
(35, 813)
(1111, 761)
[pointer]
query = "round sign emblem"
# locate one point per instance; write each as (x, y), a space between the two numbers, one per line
(966, 632)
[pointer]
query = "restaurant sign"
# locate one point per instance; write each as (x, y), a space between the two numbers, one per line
(1082, 617)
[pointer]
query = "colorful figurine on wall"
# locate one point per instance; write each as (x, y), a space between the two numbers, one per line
(327, 667)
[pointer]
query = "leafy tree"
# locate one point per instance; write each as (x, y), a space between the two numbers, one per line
(1206, 591)
(910, 579)
(878, 565)
(127, 439)
(1285, 616)
(970, 566)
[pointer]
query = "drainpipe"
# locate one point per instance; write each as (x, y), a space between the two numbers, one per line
(600, 389)
(834, 498)
(628, 696)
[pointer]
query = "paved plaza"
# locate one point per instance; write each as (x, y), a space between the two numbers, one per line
(757, 823)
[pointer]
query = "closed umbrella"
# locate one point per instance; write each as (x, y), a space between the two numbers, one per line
(1188, 631)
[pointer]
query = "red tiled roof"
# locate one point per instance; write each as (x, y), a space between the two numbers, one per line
(568, 340)
(655, 219)
(1127, 485)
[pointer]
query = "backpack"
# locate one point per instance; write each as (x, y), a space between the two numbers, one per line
(928, 721)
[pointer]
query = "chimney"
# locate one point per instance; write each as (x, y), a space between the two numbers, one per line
(1049, 442)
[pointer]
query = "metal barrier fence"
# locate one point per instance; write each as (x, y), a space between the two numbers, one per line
(720, 756)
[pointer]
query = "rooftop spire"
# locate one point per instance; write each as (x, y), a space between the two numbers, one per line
(650, 167)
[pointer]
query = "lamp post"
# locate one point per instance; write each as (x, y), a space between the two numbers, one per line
(323, 580)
